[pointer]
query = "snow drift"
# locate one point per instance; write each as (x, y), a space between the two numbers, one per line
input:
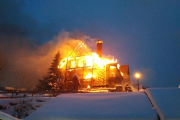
(107, 106)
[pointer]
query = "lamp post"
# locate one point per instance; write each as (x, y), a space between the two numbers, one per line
(137, 75)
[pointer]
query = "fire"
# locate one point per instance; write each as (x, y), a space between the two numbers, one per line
(112, 67)
(90, 61)
(97, 60)
(122, 74)
(89, 76)
(62, 63)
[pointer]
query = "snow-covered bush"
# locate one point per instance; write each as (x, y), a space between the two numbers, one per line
(2, 107)
(13, 103)
(22, 109)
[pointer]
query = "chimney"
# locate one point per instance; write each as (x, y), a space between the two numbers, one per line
(99, 48)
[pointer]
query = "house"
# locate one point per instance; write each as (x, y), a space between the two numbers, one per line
(92, 69)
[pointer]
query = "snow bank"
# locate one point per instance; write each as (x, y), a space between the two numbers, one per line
(36, 103)
(6, 95)
(101, 106)
(166, 101)
(4, 116)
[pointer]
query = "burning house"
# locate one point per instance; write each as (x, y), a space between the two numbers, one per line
(92, 69)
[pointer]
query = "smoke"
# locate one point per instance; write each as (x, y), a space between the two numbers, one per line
(22, 40)
(26, 58)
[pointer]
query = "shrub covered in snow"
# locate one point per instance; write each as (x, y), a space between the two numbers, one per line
(2, 107)
(22, 109)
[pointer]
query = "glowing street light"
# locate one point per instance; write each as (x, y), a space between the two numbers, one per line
(137, 75)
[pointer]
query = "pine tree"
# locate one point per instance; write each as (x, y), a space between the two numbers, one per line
(55, 73)
(40, 86)
(54, 80)
(43, 84)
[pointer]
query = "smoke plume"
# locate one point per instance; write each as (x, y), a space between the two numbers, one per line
(31, 60)
(22, 40)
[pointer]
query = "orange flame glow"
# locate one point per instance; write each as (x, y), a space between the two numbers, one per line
(89, 60)
(92, 61)
(89, 76)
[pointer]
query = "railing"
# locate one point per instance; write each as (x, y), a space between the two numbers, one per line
(21, 94)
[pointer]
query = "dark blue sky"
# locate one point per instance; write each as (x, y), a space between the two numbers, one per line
(141, 33)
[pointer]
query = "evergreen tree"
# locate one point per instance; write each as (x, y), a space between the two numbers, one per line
(43, 84)
(55, 73)
(54, 80)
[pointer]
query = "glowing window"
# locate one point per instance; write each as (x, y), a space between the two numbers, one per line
(72, 64)
(89, 61)
(112, 67)
(80, 63)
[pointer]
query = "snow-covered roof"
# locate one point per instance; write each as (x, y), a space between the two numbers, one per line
(166, 102)
(135, 105)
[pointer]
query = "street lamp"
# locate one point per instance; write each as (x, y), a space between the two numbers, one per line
(137, 75)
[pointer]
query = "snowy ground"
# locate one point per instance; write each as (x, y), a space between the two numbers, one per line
(104, 106)
(166, 102)
(8, 106)
(4, 116)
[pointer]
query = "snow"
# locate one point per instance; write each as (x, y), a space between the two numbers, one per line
(166, 102)
(94, 90)
(133, 105)
(36, 102)
(5, 94)
(4, 116)
(107, 105)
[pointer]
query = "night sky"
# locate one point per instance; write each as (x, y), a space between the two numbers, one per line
(141, 33)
